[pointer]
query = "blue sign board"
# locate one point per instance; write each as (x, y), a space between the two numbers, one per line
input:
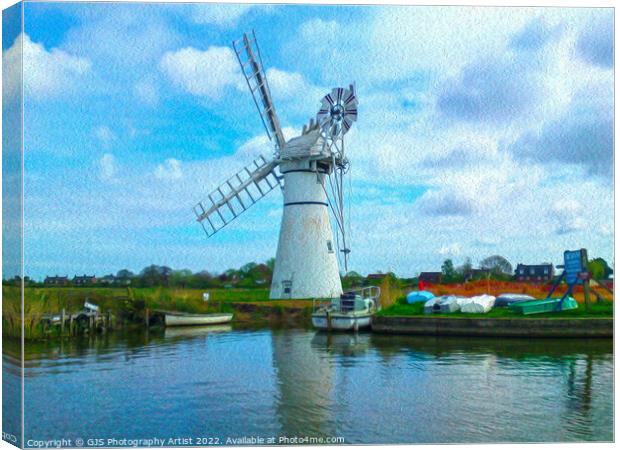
(574, 263)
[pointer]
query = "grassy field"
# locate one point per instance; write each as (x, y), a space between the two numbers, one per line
(402, 308)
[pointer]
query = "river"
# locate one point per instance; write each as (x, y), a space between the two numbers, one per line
(227, 384)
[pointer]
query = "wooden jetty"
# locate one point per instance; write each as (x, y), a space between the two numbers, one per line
(81, 322)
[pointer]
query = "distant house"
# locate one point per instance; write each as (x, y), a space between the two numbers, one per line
(122, 281)
(108, 279)
(84, 280)
(375, 278)
(534, 273)
(112, 280)
(56, 281)
(430, 277)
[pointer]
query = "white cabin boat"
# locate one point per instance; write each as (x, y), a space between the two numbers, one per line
(173, 319)
(351, 312)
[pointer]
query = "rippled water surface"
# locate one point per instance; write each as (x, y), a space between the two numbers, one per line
(290, 382)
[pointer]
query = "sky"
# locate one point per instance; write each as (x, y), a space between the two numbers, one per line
(481, 130)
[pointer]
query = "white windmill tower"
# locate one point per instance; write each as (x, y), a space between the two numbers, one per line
(312, 167)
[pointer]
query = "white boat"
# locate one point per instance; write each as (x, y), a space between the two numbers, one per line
(442, 305)
(174, 319)
(509, 299)
(480, 304)
(351, 312)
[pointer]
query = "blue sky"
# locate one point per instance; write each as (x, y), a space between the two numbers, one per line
(481, 130)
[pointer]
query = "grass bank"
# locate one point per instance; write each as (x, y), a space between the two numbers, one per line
(402, 309)
(128, 305)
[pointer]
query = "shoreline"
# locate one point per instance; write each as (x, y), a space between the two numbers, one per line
(495, 327)
(127, 309)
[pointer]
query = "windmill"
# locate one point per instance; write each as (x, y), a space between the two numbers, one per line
(311, 169)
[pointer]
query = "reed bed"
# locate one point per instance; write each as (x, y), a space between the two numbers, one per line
(128, 305)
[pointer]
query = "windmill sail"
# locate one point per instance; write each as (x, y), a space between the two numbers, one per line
(236, 195)
(248, 54)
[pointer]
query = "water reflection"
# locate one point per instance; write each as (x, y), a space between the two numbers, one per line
(192, 332)
(367, 388)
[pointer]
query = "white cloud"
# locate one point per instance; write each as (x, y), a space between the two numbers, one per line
(107, 167)
(596, 43)
(121, 39)
(47, 73)
(171, 169)
(147, 92)
(105, 135)
(568, 214)
(450, 250)
(260, 145)
(12, 73)
(220, 14)
(205, 73)
(422, 181)
(286, 84)
(447, 203)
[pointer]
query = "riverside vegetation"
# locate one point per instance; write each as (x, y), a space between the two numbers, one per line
(129, 305)
(245, 292)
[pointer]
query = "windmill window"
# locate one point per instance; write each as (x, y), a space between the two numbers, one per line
(330, 247)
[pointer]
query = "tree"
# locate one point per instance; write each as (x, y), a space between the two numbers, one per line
(271, 263)
(245, 269)
(447, 270)
(467, 268)
(352, 279)
(203, 280)
(599, 269)
(125, 274)
(154, 275)
(497, 265)
(180, 278)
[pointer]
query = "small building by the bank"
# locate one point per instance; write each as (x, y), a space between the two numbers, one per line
(56, 280)
(107, 279)
(539, 273)
(374, 279)
(84, 280)
(430, 277)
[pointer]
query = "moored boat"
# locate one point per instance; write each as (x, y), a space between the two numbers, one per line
(419, 296)
(479, 304)
(442, 305)
(173, 319)
(351, 312)
(544, 306)
(509, 299)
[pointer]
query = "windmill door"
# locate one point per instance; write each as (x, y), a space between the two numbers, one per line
(287, 287)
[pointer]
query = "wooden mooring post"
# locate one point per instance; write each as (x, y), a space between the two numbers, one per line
(62, 322)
